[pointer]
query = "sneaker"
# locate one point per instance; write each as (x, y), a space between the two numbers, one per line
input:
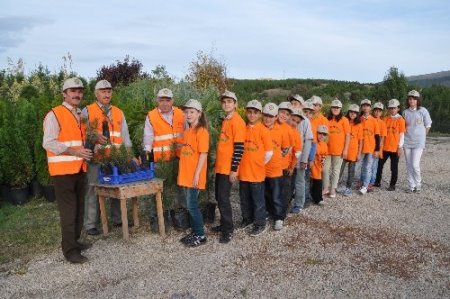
(341, 190)
(296, 210)
(278, 225)
(257, 230)
(391, 188)
(363, 190)
(186, 238)
(409, 191)
(216, 229)
(417, 190)
(225, 238)
(93, 232)
(245, 224)
(348, 192)
(195, 241)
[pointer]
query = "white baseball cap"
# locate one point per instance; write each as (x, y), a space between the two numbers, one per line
(298, 98)
(103, 84)
(271, 109)
(322, 129)
(316, 100)
(193, 104)
(336, 103)
(366, 101)
(164, 93)
(394, 103)
(285, 106)
(228, 94)
(354, 108)
(298, 112)
(254, 104)
(378, 105)
(414, 93)
(308, 105)
(73, 82)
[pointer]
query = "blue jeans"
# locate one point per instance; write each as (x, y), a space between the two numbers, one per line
(366, 169)
(195, 215)
(374, 170)
(253, 204)
(299, 200)
(274, 199)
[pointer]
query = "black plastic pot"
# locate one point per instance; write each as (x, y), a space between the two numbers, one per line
(49, 193)
(19, 196)
(36, 190)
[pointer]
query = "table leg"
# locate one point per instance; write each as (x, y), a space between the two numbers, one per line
(101, 200)
(123, 211)
(135, 211)
(159, 212)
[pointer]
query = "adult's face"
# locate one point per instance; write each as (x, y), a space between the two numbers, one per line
(73, 96)
(165, 104)
(103, 96)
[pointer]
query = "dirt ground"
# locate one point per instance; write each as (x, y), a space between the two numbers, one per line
(381, 245)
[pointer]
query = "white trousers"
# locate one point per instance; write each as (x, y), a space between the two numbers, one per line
(412, 157)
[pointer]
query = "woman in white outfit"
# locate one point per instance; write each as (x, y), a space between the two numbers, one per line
(418, 124)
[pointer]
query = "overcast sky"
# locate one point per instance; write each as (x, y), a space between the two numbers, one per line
(344, 40)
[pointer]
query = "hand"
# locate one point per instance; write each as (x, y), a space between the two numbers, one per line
(81, 152)
(399, 152)
(233, 177)
(311, 164)
(137, 161)
(303, 165)
(290, 172)
(101, 139)
(195, 181)
(376, 154)
(344, 155)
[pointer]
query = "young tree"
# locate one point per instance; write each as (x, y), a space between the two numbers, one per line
(395, 85)
(122, 73)
(206, 71)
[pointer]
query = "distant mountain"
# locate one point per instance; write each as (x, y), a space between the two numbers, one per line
(439, 78)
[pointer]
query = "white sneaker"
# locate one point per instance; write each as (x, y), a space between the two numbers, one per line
(363, 190)
(278, 225)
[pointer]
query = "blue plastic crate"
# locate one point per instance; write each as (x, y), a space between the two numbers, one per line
(116, 179)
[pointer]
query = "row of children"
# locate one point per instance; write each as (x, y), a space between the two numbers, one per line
(294, 153)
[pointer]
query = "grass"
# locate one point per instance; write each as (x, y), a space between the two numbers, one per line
(26, 231)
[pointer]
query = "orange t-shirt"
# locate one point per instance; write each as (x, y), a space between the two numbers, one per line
(336, 136)
(257, 142)
(316, 121)
(233, 130)
(194, 143)
(288, 134)
(321, 153)
(356, 136)
(370, 129)
(394, 126)
(298, 145)
(279, 141)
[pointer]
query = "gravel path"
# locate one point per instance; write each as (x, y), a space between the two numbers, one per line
(382, 245)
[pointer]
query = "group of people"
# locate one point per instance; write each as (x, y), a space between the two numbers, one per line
(282, 156)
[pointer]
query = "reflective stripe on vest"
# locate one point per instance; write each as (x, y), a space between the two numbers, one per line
(71, 135)
(167, 138)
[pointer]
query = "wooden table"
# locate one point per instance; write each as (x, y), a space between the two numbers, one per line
(124, 192)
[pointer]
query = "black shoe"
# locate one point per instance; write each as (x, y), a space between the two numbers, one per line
(195, 241)
(257, 230)
(84, 245)
(216, 229)
(186, 239)
(77, 258)
(377, 184)
(93, 231)
(245, 224)
(391, 188)
(225, 238)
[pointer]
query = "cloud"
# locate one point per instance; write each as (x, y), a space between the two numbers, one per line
(13, 27)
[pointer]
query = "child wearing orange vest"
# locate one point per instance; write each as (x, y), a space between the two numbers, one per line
(377, 113)
(257, 152)
(393, 143)
(192, 168)
(275, 204)
(354, 149)
(371, 145)
(316, 165)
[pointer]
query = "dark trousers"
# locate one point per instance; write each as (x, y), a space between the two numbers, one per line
(273, 199)
(316, 190)
(253, 204)
(223, 188)
(394, 167)
(286, 192)
(351, 173)
(69, 191)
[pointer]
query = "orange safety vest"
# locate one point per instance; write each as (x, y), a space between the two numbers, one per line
(114, 123)
(70, 134)
(167, 138)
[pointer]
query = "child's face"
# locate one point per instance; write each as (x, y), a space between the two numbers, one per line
(295, 120)
(335, 111)
(393, 111)
(307, 112)
(366, 108)
(192, 115)
(352, 115)
(377, 112)
(228, 105)
(296, 104)
(321, 136)
(269, 120)
(317, 108)
(253, 115)
(412, 102)
(283, 115)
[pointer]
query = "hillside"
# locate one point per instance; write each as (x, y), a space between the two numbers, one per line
(427, 80)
